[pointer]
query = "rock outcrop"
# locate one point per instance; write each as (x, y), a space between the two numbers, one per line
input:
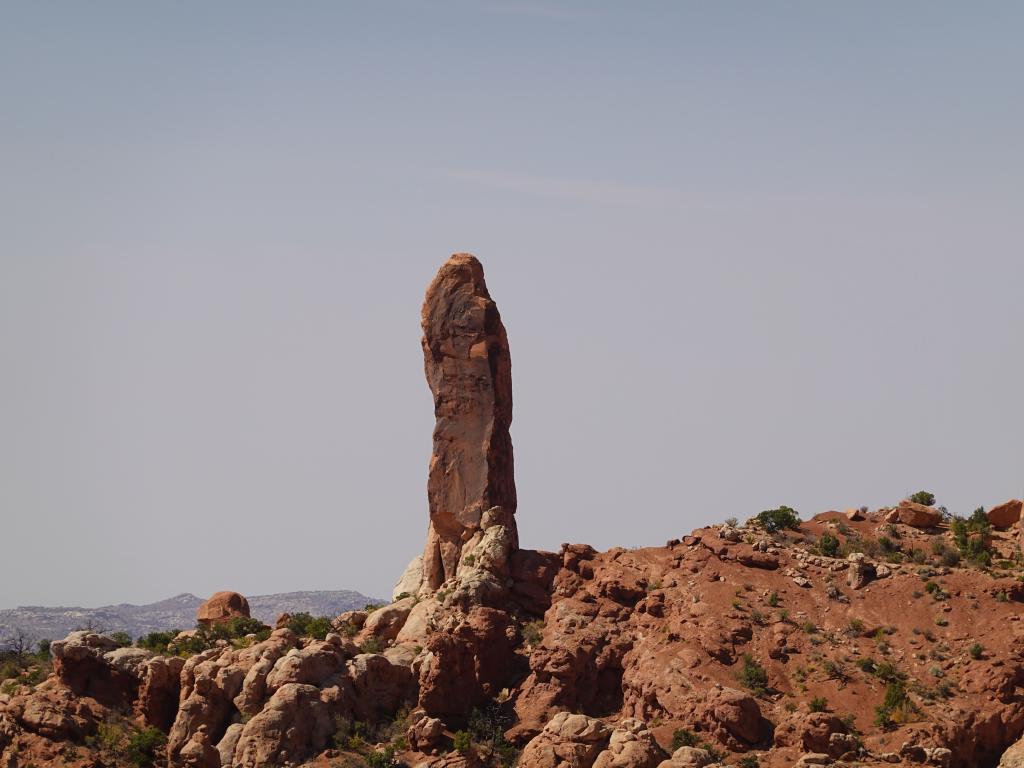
(469, 370)
(915, 515)
(222, 607)
(1006, 515)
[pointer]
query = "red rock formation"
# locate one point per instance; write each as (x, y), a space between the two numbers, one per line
(915, 515)
(222, 607)
(1006, 515)
(469, 371)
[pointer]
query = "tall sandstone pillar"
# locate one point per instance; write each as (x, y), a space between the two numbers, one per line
(466, 358)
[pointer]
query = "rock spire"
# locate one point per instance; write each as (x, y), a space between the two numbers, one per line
(466, 358)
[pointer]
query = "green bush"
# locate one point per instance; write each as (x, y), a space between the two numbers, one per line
(145, 746)
(866, 664)
(462, 742)
(773, 520)
(381, 758)
(682, 737)
(487, 726)
(305, 625)
(123, 639)
(976, 650)
(533, 632)
(828, 545)
(887, 672)
(896, 709)
(157, 641)
(923, 497)
(748, 761)
(973, 537)
(752, 675)
(818, 704)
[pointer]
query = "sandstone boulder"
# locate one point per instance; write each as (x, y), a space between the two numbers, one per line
(55, 712)
(386, 622)
(222, 607)
(733, 717)
(1006, 515)
(294, 725)
(810, 732)
(914, 514)
(631, 745)
(859, 574)
(568, 739)
(91, 664)
(468, 665)
(1013, 757)
(688, 757)
(425, 733)
(410, 581)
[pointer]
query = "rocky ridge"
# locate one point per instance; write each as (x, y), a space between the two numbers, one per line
(38, 622)
(863, 637)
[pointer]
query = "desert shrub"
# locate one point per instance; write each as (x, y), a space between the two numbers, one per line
(305, 625)
(752, 675)
(856, 626)
(157, 641)
(923, 497)
(973, 537)
(487, 726)
(773, 520)
(682, 737)
(896, 709)
(732, 522)
(887, 546)
(748, 761)
(123, 639)
(533, 632)
(818, 704)
(145, 746)
(887, 672)
(462, 742)
(976, 650)
(828, 545)
(773, 599)
(835, 670)
(866, 664)
(371, 645)
(109, 737)
(381, 758)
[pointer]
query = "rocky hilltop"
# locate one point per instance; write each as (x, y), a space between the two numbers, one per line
(862, 637)
(39, 622)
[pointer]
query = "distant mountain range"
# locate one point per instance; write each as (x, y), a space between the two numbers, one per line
(178, 612)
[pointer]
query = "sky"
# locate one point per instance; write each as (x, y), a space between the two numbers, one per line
(748, 254)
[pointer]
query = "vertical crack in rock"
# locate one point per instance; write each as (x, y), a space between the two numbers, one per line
(466, 358)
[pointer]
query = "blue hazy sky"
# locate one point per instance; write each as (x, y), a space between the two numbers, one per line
(747, 253)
